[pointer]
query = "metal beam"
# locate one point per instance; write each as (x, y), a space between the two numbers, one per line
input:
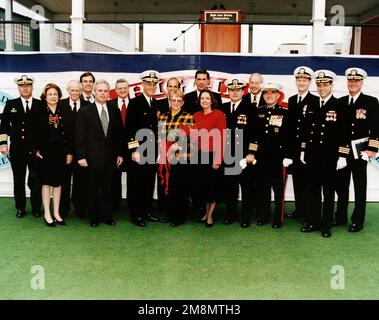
(188, 18)
(30, 3)
(368, 15)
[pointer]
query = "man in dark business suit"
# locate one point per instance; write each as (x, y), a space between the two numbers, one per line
(191, 99)
(16, 124)
(141, 130)
(121, 103)
(87, 80)
(255, 97)
(99, 148)
(173, 85)
(70, 107)
(363, 120)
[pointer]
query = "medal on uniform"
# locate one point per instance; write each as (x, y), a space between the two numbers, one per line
(360, 113)
(242, 119)
(331, 116)
(276, 120)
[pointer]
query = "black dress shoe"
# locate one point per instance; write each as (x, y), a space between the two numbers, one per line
(309, 228)
(228, 221)
(338, 223)
(209, 225)
(305, 224)
(201, 220)
(140, 222)
(94, 224)
(61, 223)
(245, 224)
(110, 222)
(326, 233)
(276, 226)
(354, 227)
(50, 224)
(152, 218)
(37, 214)
(261, 223)
(20, 213)
(165, 220)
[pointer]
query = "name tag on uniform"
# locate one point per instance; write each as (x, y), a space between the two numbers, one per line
(276, 121)
(242, 119)
(360, 113)
(331, 116)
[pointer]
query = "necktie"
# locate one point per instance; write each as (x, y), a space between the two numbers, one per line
(104, 120)
(351, 102)
(75, 109)
(233, 107)
(151, 102)
(322, 103)
(255, 99)
(299, 100)
(27, 107)
(88, 98)
(123, 112)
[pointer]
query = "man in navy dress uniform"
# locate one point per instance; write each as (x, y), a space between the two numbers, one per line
(363, 121)
(16, 124)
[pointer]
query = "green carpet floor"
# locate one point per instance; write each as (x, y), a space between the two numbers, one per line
(186, 262)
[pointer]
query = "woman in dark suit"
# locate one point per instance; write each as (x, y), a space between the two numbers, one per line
(211, 124)
(53, 147)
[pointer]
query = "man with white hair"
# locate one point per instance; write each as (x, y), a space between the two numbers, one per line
(255, 97)
(70, 107)
(99, 149)
(363, 121)
(121, 102)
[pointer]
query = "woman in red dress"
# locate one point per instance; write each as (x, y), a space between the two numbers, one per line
(211, 125)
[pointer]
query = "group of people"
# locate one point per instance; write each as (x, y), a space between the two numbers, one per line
(90, 140)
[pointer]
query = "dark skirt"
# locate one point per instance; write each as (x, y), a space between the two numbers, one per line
(52, 167)
(208, 179)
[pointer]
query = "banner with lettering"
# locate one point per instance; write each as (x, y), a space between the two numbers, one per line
(60, 68)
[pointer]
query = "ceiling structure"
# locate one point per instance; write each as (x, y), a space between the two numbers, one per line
(255, 11)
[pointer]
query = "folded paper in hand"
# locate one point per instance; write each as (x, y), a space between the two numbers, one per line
(359, 145)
